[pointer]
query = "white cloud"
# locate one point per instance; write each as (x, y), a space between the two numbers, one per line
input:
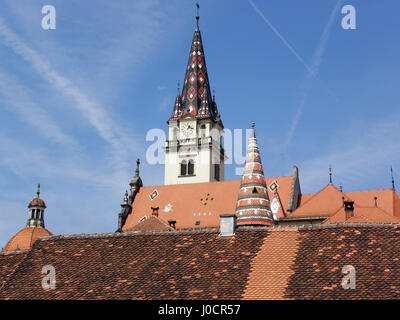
(18, 99)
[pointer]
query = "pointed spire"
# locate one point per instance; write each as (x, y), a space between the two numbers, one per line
(391, 172)
(330, 174)
(177, 111)
(196, 80)
(253, 205)
(136, 183)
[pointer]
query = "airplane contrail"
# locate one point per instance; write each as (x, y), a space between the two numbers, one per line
(287, 44)
(316, 62)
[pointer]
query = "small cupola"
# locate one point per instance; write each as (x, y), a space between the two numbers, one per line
(26, 237)
(36, 211)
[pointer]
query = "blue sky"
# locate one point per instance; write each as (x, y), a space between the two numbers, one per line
(76, 102)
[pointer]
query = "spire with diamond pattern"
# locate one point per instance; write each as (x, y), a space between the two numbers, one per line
(196, 85)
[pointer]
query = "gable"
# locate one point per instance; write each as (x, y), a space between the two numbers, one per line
(324, 203)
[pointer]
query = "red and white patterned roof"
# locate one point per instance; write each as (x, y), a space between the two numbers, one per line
(253, 204)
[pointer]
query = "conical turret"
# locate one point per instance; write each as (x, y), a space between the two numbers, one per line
(253, 205)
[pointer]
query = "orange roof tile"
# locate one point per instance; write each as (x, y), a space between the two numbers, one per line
(259, 263)
(271, 267)
(361, 215)
(203, 202)
(396, 204)
(366, 199)
(324, 203)
(25, 238)
(152, 223)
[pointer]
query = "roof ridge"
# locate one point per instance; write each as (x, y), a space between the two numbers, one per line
(123, 234)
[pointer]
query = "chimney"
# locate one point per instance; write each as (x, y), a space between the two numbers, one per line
(349, 209)
(172, 224)
(155, 211)
(227, 225)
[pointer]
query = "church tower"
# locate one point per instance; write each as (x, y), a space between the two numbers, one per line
(193, 151)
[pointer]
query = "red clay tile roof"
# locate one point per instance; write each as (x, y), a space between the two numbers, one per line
(203, 202)
(276, 263)
(368, 215)
(25, 238)
(396, 204)
(323, 252)
(328, 202)
(152, 223)
(8, 264)
(185, 265)
(324, 203)
(271, 267)
(385, 199)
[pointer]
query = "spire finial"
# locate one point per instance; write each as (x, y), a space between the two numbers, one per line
(253, 133)
(179, 87)
(330, 174)
(197, 15)
(391, 172)
(137, 167)
(38, 190)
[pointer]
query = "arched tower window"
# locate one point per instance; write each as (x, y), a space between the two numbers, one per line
(183, 168)
(191, 167)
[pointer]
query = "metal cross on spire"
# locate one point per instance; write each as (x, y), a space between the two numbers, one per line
(137, 167)
(197, 15)
(391, 172)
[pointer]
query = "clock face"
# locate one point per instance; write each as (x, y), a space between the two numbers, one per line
(188, 129)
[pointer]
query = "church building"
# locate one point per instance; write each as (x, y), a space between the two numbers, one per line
(198, 236)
